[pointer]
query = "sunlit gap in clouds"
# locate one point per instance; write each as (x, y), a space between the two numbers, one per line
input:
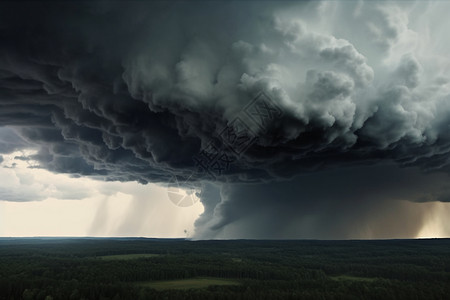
(37, 202)
(437, 225)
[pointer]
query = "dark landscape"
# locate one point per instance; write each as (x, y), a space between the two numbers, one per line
(140, 268)
(237, 149)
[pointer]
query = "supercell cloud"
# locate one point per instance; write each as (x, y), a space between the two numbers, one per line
(354, 121)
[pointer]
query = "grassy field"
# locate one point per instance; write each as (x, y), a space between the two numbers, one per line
(127, 256)
(185, 284)
(353, 278)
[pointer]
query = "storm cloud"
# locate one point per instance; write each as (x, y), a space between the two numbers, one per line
(354, 116)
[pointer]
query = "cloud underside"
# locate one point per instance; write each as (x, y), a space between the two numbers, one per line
(135, 92)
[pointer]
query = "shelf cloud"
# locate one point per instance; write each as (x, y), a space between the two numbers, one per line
(320, 115)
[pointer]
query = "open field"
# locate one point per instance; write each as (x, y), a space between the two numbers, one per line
(185, 284)
(127, 256)
(138, 269)
(352, 278)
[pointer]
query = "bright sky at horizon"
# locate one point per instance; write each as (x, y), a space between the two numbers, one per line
(113, 209)
(60, 205)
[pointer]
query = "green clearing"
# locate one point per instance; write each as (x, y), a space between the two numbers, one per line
(353, 278)
(185, 284)
(127, 256)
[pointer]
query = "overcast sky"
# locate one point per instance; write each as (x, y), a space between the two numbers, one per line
(225, 119)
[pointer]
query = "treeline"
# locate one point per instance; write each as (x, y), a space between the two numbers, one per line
(77, 269)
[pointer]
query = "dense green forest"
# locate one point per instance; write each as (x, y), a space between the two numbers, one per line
(88, 268)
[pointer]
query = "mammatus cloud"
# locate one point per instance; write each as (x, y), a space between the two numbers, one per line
(134, 92)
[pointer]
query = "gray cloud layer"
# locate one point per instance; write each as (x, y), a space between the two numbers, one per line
(135, 91)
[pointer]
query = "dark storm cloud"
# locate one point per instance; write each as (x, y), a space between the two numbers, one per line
(354, 202)
(10, 141)
(135, 91)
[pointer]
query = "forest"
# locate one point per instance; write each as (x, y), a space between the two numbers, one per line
(141, 268)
